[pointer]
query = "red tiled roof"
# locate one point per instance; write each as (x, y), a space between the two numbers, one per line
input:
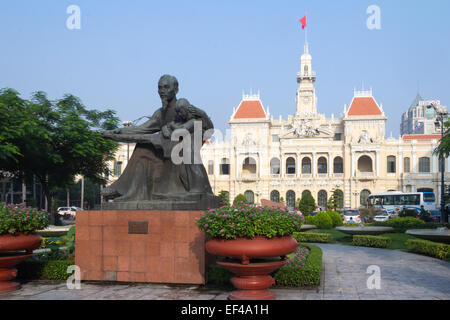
(364, 106)
(421, 137)
(250, 110)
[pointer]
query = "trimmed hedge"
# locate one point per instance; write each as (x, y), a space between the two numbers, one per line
(44, 270)
(429, 248)
(336, 218)
(312, 237)
(402, 224)
(371, 241)
(291, 275)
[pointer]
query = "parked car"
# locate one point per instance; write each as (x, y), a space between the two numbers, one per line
(68, 212)
(382, 217)
(353, 215)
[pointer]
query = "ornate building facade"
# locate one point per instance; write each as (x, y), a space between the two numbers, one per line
(271, 159)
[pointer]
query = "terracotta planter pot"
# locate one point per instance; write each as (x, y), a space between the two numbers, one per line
(252, 278)
(255, 248)
(19, 242)
(9, 258)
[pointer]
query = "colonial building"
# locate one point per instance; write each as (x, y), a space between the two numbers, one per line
(266, 158)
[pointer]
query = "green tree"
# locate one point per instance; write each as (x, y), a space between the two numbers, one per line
(56, 140)
(444, 146)
(336, 200)
(307, 204)
(224, 198)
(239, 198)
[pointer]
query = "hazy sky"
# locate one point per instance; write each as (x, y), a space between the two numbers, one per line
(217, 49)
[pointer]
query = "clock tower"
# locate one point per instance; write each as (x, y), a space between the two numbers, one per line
(306, 93)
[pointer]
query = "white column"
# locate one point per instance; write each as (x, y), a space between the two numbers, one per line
(377, 160)
(314, 165)
(237, 166)
(353, 172)
(448, 164)
(435, 164)
(260, 165)
(330, 164)
(414, 162)
(400, 164)
(299, 165)
(282, 164)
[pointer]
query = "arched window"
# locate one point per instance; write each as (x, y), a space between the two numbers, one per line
(117, 168)
(290, 199)
(210, 167)
(365, 164)
(306, 166)
(364, 195)
(391, 164)
(275, 196)
(249, 166)
(275, 166)
(338, 165)
(290, 165)
(322, 200)
(406, 165)
(225, 167)
(424, 165)
(322, 165)
(250, 196)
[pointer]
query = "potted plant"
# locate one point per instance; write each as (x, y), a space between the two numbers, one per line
(17, 239)
(244, 232)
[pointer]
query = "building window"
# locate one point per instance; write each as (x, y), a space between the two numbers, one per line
(210, 167)
(338, 165)
(391, 164)
(275, 166)
(290, 166)
(322, 165)
(322, 200)
(306, 166)
(275, 138)
(305, 192)
(275, 196)
(290, 199)
(250, 196)
(117, 168)
(406, 165)
(424, 165)
(363, 197)
(225, 167)
(249, 166)
(365, 164)
(338, 137)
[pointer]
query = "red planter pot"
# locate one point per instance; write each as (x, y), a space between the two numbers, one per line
(254, 248)
(9, 258)
(252, 278)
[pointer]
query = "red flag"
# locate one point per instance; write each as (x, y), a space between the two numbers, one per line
(303, 21)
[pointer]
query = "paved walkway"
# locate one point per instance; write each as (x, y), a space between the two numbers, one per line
(402, 276)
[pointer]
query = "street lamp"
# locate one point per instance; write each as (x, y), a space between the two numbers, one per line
(441, 115)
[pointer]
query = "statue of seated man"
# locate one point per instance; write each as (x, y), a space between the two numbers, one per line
(150, 173)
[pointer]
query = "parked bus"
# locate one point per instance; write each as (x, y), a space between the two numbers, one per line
(392, 201)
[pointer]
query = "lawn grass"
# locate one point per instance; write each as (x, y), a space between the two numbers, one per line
(398, 239)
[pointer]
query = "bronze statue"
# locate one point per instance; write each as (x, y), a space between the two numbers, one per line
(152, 180)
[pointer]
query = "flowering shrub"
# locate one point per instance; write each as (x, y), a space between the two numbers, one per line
(245, 220)
(20, 218)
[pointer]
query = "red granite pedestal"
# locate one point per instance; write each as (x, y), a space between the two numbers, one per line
(140, 246)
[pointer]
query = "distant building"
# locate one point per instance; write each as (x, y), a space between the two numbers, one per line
(419, 119)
